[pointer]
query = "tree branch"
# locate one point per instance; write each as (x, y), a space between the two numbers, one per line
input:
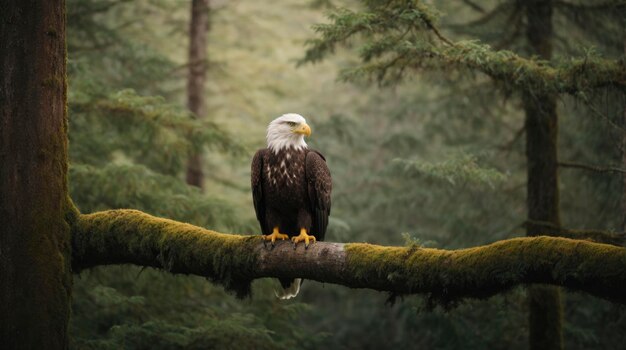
(474, 6)
(505, 67)
(599, 169)
(608, 5)
(600, 236)
(377, 24)
(132, 237)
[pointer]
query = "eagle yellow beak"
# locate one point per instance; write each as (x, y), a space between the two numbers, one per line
(303, 129)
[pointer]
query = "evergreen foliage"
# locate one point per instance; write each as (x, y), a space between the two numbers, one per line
(130, 136)
(472, 45)
(458, 178)
(402, 36)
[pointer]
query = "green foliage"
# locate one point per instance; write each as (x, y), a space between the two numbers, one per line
(127, 124)
(128, 146)
(139, 187)
(462, 170)
(397, 39)
(190, 317)
(217, 334)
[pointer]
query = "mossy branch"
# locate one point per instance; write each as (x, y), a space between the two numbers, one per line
(133, 237)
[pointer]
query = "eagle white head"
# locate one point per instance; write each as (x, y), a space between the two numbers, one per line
(287, 131)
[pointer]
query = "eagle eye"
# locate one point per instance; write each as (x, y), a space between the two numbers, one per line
(291, 123)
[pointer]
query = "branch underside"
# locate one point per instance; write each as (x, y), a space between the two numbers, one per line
(132, 237)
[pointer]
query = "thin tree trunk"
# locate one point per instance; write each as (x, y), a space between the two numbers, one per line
(624, 174)
(544, 302)
(624, 154)
(35, 274)
(198, 27)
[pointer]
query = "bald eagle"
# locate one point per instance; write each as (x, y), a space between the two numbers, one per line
(291, 187)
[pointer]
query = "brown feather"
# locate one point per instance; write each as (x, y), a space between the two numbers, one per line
(291, 190)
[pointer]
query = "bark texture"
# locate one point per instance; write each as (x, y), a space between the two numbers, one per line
(624, 154)
(544, 302)
(133, 237)
(624, 175)
(198, 27)
(35, 276)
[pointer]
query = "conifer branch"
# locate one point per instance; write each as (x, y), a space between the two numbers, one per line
(596, 168)
(474, 6)
(384, 57)
(607, 5)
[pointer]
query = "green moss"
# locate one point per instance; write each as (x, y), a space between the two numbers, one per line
(446, 276)
(131, 236)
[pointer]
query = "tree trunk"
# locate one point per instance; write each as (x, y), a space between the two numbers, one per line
(624, 167)
(544, 302)
(198, 28)
(35, 274)
(624, 175)
(624, 153)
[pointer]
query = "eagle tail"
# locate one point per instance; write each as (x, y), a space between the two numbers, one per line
(290, 288)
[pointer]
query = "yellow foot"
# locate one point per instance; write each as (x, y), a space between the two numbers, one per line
(274, 236)
(302, 237)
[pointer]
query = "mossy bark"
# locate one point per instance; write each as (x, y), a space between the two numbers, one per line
(198, 27)
(446, 276)
(544, 302)
(35, 275)
(132, 237)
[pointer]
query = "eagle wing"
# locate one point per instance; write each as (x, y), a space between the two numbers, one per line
(256, 179)
(319, 185)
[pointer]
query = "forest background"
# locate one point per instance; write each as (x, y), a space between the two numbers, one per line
(434, 159)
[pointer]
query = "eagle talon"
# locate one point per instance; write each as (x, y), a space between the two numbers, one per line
(273, 237)
(303, 237)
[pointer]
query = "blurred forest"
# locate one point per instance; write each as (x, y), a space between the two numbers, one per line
(434, 158)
